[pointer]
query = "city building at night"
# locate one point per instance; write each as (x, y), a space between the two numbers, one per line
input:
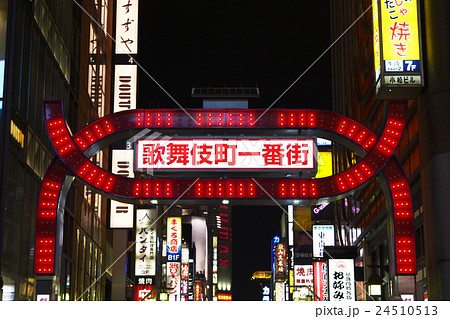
(365, 219)
(51, 50)
(104, 199)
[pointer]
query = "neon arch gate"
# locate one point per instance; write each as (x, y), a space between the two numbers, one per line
(377, 154)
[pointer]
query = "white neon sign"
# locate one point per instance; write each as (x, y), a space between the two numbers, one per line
(217, 153)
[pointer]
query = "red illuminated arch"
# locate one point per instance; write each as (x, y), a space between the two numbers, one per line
(379, 154)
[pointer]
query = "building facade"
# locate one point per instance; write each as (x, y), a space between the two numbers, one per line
(423, 151)
(45, 55)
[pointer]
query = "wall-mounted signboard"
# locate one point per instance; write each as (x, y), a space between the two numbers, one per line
(398, 65)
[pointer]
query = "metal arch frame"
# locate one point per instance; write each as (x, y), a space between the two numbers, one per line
(74, 152)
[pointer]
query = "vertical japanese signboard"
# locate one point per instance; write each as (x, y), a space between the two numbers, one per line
(125, 83)
(323, 235)
(224, 267)
(127, 26)
(174, 280)
(303, 275)
(121, 214)
(174, 239)
(174, 257)
(145, 264)
(321, 280)
(341, 279)
(280, 261)
(398, 66)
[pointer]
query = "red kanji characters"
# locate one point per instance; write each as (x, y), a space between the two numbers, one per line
(296, 154)
(221, 154)
(273, 154)
(153, 154)
(177, 153)
(400, 30)
(204, 152)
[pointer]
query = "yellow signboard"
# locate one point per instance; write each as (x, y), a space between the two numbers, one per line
(324, 165)
(396, 31)
(302, 218)
(376, 39)
(400, 30)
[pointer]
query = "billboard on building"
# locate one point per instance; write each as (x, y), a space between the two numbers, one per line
(125, 87)
(222, 153)
(321, 280)
(398, 66)
(174, 239)
(127, 26)
(145, 264)
(341, 279)
(303, 275)
(323, 235)
(121, 214)
(224, 252)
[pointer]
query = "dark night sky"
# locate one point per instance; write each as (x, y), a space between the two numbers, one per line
(233, 43)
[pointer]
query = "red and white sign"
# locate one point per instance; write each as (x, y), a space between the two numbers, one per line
(280, 259)
(321, 280)
(173, 280)
(140, 291)
(217, 153)
(303, 275)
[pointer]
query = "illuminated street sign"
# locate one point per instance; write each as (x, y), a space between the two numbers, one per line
(74, 151)
(174, 153)
(341, 278)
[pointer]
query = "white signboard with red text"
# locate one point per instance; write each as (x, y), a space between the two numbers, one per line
(321, 280)
(219, 153)
(341, 281)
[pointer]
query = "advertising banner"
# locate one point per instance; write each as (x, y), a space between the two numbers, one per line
(217, 153)
(321, 280)
(303, 275)
(323, 235)
(145, 264)
(341, 278)
(127, 26)
(174, 239)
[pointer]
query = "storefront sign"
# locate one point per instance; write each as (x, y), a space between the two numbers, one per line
(323, 235)
(173, 280)
(341, 278)
(303, 275)
(397, 47)
(127, 26)
(212, 153)
(145, 264)
(280, 259)
(279, 291)
(321, 280)
(174, 239)
(121, 214)
(141, 291)
(125, 83)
